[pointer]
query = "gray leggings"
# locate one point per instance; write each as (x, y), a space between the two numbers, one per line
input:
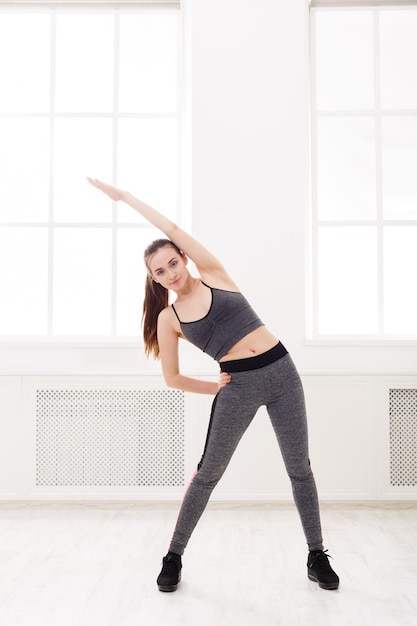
(278, 386)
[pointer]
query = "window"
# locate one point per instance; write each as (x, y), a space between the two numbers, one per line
(364, 183)
(86, 90)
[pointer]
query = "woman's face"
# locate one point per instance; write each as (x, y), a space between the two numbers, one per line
(168, 268)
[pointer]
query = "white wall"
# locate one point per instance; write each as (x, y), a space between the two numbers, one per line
(250, 137)
(249, 193)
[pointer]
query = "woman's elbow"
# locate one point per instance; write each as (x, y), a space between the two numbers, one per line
(172, 381)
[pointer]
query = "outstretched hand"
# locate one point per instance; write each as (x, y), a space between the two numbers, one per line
(113, 192)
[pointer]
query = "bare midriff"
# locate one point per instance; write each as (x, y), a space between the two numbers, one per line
(257, 342)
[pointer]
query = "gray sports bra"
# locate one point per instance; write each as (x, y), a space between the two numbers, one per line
(230, 318)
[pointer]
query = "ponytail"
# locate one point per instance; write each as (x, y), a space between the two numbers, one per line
(156, 299)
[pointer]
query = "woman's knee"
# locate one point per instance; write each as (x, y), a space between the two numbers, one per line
(300, 472)
(209, 473)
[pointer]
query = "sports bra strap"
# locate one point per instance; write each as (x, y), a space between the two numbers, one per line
(173, 308)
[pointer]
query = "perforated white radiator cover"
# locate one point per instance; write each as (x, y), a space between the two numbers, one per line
(110, 437)
(403, 437)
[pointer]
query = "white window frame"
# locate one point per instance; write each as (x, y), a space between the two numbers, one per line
(181, 215)
(313, 337)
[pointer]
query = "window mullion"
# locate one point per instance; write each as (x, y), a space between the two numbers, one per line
(51, 176)
(116, 62)
(313, 273)
(379, 173)
(180, 118)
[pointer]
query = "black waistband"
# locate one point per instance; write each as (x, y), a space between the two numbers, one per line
(254, 362)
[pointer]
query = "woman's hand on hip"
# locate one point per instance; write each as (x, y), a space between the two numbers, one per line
(224, 380)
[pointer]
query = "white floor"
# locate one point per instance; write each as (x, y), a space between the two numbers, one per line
(95, 564)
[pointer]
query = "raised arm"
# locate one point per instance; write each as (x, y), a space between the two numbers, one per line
(206, 263)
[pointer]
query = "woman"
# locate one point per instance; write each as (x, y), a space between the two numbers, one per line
(210, 312)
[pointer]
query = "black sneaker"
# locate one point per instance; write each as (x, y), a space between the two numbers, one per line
(319, 570)
(170, 574)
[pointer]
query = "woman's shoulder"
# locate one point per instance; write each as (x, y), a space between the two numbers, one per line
(168, 324)
(167, 315)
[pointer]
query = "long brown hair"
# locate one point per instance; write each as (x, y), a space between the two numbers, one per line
(156, 299)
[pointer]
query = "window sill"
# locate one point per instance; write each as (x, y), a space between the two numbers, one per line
(338, 342)
(76, 342)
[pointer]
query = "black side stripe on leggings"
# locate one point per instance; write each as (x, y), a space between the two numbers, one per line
(213, 408)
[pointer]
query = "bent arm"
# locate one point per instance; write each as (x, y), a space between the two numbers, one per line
(205, 261)
(168, 351)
